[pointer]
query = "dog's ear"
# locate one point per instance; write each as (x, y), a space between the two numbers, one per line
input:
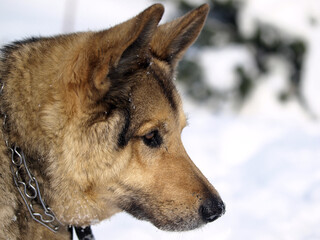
(134, 33)
(172, 39)
(104, 50)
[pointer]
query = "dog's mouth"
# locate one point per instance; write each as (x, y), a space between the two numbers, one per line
(171, 222)
(172, 216)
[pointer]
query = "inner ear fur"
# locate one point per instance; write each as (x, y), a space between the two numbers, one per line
(172, 39)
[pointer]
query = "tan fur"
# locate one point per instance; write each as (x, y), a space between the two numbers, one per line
(67, 101)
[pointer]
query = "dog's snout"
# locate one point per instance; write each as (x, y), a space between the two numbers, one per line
(211, 209)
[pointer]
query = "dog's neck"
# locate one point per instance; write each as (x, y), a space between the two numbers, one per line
(25, 181)
(28, 186)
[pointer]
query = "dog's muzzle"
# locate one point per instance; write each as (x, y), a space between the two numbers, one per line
(211, 209)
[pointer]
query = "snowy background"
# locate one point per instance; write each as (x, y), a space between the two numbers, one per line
(264, 159)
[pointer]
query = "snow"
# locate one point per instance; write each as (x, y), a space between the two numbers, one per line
(264, 100)
(311, 84)
(219, 63)
(22, 19)
(264, 161)
(292, 17)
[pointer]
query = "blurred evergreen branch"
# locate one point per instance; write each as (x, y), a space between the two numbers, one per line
(222, 29)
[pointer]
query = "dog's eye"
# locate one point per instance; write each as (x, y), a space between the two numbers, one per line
(152, 139)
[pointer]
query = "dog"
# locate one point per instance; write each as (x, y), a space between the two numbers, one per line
(91, 127)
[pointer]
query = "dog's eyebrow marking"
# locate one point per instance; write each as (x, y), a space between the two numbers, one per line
(166, 85)
(123, 138)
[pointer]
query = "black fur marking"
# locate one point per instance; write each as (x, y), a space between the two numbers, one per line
(7, 49)
(137, 209)
(119, 96)
(123, 137)
(84, 233)
(167, 88)
(28, 40)
(134, 202)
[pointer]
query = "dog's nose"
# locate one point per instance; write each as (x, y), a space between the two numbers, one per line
(211, 209)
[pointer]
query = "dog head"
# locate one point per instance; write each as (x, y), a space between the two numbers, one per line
(112, 122)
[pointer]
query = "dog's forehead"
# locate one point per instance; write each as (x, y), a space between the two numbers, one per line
(156, 96)
(154, 85)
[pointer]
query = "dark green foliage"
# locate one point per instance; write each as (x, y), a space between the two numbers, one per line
(191, 74)
(292, 50)
(245, 82)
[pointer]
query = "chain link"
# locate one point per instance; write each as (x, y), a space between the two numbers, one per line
(29, 189)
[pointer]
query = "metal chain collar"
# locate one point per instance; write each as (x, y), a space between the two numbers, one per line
(30, 191)
(29, 188)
